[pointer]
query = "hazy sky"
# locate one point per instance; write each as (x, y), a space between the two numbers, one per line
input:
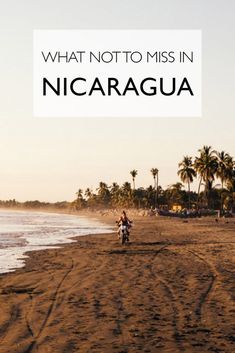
(49, 159)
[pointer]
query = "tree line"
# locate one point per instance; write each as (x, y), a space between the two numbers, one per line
(208, 167)
(214, 171)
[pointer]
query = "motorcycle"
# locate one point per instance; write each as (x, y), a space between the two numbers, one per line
(123, 232)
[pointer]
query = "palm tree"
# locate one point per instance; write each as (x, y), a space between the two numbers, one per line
(80, 202)
(224, 166)
(79, 193)
(154, 172)
(206, 166)
(88, 193)
(90, 197)
(221, 173)
(103, 193)
(231, 180)
(150, 196)
(231, 185)
(126, 195)
(187, 173)
(224, 171)
(133, 174)
(115, 194)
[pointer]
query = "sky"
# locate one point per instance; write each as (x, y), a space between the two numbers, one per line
(49, 159)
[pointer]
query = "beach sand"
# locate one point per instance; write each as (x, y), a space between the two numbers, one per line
(171, 289)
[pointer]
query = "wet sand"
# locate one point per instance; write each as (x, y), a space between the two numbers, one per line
(172, 289)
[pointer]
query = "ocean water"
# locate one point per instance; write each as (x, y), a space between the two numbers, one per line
(22, 231)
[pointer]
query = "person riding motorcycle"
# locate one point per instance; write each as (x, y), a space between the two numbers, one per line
(124, 220)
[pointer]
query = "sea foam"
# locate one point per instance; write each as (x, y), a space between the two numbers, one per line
(22, 231)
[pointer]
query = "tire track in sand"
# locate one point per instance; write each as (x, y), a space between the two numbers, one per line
(205, 294)
(31, 297)
(171, 297)
(14, 315)
(49, 312)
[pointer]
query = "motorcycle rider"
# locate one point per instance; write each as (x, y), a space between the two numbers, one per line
(124, 220)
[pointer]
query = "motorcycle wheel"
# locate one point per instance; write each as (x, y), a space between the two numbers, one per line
(122, 239)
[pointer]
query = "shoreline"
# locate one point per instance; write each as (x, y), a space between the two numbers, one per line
(171, 289)
(25, 253)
